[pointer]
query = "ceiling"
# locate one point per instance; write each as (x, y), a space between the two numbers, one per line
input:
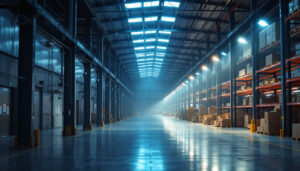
(163, 39)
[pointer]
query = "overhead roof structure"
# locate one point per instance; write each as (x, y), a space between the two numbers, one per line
(163, 38)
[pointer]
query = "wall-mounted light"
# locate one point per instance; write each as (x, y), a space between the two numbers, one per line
(242, 40)
(191, 77)
(197, 73)
(224, 53)
(215, 58)
(204, 68)
(262, 23)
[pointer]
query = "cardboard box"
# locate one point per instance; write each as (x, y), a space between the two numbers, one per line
(296, 131)
(272, 33)
(247, 120)
(262, 39)
(212, 110)
(262, 125)
(272, 116)
(272, 127)
(225, 123)
(272, 59)
(242, 72)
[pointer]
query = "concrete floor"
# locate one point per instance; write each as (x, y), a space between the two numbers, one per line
(154, 143)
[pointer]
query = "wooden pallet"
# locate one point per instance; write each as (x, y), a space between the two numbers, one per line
(260, 132)
(225, 126)
(297, 139)
(271, 134)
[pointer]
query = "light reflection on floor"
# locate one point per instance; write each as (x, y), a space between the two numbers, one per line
(155, 143)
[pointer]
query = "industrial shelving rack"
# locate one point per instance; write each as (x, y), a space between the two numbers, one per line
(235, 88)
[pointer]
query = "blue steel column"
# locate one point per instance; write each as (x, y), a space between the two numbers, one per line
(284, 53)
(113, 91)
(87, 97)
(99, 118)
(218, 72)
(27, 37)
(200, 91)
(232, 74)
(254, 43)
(69, 71)
(87, 80)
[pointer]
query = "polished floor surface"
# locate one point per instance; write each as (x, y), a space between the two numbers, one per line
(154, 143)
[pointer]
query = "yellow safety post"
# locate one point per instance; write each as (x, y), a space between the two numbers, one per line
(91, 127)
(36, 134)
(252, 126)
(281, 133)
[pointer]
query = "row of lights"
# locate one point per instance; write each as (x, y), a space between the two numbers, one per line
(215, 58)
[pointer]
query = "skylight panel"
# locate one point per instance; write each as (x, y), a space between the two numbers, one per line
(138, 41)
(161, 47)
(163, 40)
(140, 60)
(150, 54)
(151, 4)
(148, 19)
(172, 4)
(150, 32)
(139, 48)
(150, 47)
(137, 33)
(133, 5)
(150, 40)
(150, 59)
(168, 19)
(159, 59)
(164, 32)
(135, 20)
(140, 54)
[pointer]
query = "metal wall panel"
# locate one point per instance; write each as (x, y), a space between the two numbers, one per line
(5, 111)
(36, 112)
(9, 33)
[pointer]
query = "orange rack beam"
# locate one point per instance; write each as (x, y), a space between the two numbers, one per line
(244, 107)
(294, 15)
(245, 92)
(247, 77)
(244, 60)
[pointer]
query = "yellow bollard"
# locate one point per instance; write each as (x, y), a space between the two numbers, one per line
(91, 127)
(75, 132)
(252, 126)
(36, 134)
(281, 133)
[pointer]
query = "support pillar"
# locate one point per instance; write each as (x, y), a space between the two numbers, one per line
(87, 97)
(284, 53)
(27, 37)
(232, 74)
(69, 72)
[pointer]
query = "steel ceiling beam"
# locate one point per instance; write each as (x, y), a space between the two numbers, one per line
(178, 16)
(102, 4)
(124, 55)
(120, 41)
(169, 46)
(174, 30)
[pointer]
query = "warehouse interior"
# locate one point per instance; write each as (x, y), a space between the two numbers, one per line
(149, 84)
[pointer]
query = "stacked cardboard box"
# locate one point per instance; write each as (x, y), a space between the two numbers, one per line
(271, 123)
(272, 33)
(200, 118)
(247, 51)
(225, 122)
(262, 39)
(269, 99)
(247, 120)
(272, 59)
(212, 110)
(191, 113)
(202, 110)
(240, 118)
(216, 123)
(248, 69)
(296, 131)
(242, 72)
(208, 119)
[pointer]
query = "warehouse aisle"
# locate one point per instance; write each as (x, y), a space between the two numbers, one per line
(155, 143)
